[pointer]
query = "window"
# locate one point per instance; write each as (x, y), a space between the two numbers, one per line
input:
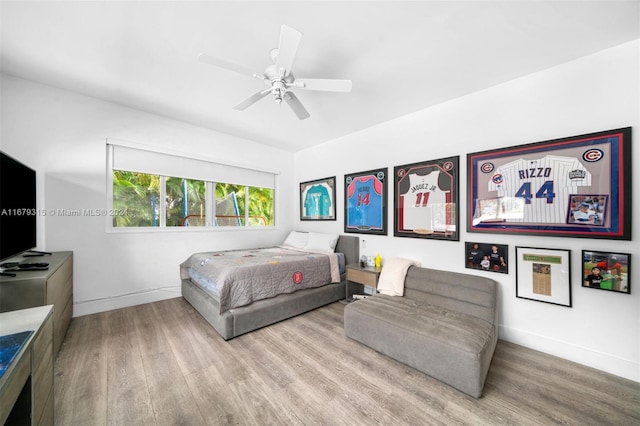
(138, 194)
(186, 198)
(169, 191)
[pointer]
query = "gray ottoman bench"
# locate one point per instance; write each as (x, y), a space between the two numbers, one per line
(445, 325)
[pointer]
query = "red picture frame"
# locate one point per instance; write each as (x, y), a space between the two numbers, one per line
(578, 186)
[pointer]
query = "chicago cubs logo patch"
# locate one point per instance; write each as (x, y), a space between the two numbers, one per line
(497, 178)
(487, 167)
(593, 155)
(297, 277)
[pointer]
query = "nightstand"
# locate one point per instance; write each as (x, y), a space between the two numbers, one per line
(365, 275)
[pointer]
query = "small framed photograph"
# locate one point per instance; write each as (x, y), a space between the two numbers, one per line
(487, 257)
(544, 275)
(365, 206)
(606, 271)
(318, 199)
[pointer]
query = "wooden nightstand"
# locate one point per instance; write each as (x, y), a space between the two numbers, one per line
(365, 275)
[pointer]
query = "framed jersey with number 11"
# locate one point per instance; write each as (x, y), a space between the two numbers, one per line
(365, 206)
(426, 199)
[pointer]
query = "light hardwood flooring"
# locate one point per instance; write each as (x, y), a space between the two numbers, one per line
(161, 363)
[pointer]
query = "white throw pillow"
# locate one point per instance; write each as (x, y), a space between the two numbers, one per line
(392, 276)
(296, 239)
(322, 242)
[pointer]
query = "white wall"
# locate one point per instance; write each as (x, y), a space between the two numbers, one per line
(595, 93)
(62, 135)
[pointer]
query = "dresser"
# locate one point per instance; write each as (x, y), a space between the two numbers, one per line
(26, 383)
(53, 286)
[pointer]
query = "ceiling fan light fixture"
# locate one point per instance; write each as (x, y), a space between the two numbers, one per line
(278, 89)
(278, 76)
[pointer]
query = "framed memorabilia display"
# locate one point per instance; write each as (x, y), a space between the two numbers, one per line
(544, 275)
(426, 199)
(572, 187)
(606, 271)
(365, 207)
(487, 257)
(318, 199)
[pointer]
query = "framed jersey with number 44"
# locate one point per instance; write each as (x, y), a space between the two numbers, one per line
(578, 186)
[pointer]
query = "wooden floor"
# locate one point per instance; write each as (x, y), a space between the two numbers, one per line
(161, 363)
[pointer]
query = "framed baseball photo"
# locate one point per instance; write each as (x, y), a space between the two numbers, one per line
(318, 199)
(606, 271)
(365, 207)
(487, 257)
(544, 275)
(426, 199)
(572, 187)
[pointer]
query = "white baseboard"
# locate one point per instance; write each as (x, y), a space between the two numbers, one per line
(108, 304)
(609, 363)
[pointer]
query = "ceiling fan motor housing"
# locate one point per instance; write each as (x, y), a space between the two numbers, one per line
(278, 82)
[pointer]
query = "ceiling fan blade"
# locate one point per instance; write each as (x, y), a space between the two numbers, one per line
(287, 47)
(230, 66)
(296, 106)
(252, 100)
(323, 84)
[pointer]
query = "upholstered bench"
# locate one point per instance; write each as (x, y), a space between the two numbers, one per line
(444, 325)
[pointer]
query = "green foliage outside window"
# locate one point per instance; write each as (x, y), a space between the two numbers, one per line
(195, 199)
(139, 195)
(261, 206)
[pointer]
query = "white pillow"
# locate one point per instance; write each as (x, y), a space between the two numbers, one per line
(296, 239)
(392, 276)
(322, 242)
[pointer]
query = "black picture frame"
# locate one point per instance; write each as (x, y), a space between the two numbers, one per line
(614, 271)
(487, 257)
(426, 202)
(538, 188)
(318, 199)
(544, 275)
(365, 202)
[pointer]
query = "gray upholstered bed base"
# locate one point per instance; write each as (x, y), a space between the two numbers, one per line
(261, 313)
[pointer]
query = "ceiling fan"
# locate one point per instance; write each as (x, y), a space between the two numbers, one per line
(278, 77)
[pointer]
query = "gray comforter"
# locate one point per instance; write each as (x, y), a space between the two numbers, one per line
(238, 277)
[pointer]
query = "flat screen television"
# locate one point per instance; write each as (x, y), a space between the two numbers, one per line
(17, 207)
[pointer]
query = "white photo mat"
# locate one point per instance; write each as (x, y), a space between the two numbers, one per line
(544, 275)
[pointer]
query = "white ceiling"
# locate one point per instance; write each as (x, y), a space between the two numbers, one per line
(401, 56)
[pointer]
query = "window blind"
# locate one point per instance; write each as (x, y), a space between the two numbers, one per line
(180, 165)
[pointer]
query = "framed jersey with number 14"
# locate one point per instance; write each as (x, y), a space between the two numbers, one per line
(426, 199)
(365, 208)
(578, 186)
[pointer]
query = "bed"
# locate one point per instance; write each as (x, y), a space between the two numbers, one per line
(233, 314)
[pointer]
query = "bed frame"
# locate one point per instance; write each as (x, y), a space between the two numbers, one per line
(261, 313)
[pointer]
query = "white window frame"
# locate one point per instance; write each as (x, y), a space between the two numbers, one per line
(209, 186)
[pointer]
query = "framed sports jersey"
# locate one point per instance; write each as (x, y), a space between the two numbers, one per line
(606, 271)
(544, 275)
(578, 186)
(365, 207)
(318, 199)
(426, 199)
